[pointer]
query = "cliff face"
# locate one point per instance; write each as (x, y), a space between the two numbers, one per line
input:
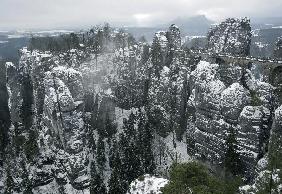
(269, 177)
(219, 108)
(228, 99)
(57, 118)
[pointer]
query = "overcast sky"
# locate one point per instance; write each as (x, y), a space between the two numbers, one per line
(25, 14)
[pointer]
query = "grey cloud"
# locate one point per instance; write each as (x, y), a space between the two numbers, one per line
(60, 13)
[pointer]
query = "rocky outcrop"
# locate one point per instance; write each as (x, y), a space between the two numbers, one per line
(232, 36)
(227, 97)
(73, 80)
(173, 37)
(59, 124)
(230, 73)
(269, 167)
(253, 134)
(278, 49)
(276, 77)
(161, 39)
(218, 109)
(233, 100)
(63, 92)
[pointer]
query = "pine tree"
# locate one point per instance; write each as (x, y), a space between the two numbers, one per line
(93, 123)
(183, 109)
(278, 48)
(31, 146)
(97, 50)
(74, 40)
(131, 153)
(129, 126)
(27, 96)
(120, 41)
(89, 102)
(97, 185)
(157, 57)
(117, 182)
(5, 120)
(145, 54)
(99, 37)
(107, 33)
(131, 40)
(9, 182)
(95, 111)
(232, 160)
(142, 39)
(110, 127)
(149, 162)
(144, 145)
(88, 108)
(275, 159)
(101, 158)
(61, 189)
(27, 184)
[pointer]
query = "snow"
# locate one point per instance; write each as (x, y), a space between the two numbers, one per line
(161, 35)
(278, 112)
(54, 31)
(108, 92)
(204, 71)
(254, 112)
(189, 38)
(10, 36)
(3, 41)
(122, 114)
(53, 188)
(261, 45)
(161, 38)
(82, 178)
(10, 64)
(235, 94)
(171, 152)
(165, 70)
(62, 70)
(147, 184)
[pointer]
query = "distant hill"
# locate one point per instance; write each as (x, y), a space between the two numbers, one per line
(189, 26)
(147, 32)
(263, 41)
(9, 46)
(193, 26)
(12, 41)
(266, 22)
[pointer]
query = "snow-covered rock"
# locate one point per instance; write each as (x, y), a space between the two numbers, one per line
(147, 184)
(252, 134)
(233, 100)
(232, 36)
